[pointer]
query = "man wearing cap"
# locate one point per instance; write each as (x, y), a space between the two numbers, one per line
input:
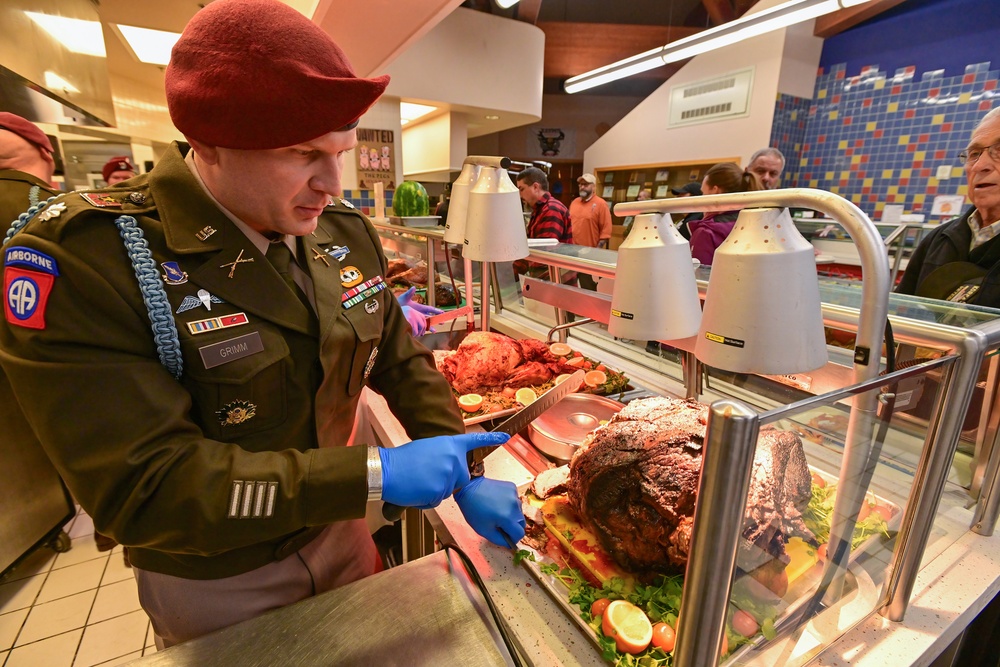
(233, 315)
(26, 166)
(692, 189)
(118, 169)
(591, 221)
(767, 164)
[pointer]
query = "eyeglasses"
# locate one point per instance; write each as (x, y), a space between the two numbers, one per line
(972, 155)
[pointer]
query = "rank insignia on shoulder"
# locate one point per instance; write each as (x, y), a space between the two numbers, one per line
(172, 274)
(338, 252)
(371, 362)
(236, 412)
(204, 298)
(101, 201)
(350, 276)
(49, 212)
(346, 203)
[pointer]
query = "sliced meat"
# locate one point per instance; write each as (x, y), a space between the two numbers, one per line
(551, 482)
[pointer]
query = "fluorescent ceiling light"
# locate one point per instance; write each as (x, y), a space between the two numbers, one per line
(753, 25)
(77, 35)
(507, 4)
(55, 82)
(149, 46)
(410, 111)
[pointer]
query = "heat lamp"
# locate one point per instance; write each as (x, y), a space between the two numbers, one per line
(458, 207)
(762, 309)
(655, 295)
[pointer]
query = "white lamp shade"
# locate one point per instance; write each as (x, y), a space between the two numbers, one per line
(655, 294)
(494, 226)
(458, 207)
(762, 310)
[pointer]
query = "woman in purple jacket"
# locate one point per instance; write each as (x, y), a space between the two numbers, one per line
(708, 233)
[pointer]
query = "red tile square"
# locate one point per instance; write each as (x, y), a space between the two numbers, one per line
(848, 120)
(925, 173)
(807, 176)
(865, 189)
(843, 183)
(903, 182)
(917, 164)
(819, 72)
(864, 159)
(939, 155)
(932, 189)
(862, 174)
(933, 92)
(817, 162)
(848, 151)
(923, 138)
(877, 134)
(895, 90)
(985, 105)
(841, 74)
(990, 85)
(911, 148)
(969, 78)
(909, 113)
(946, 127)
(858, 143)
(821, 139)
(835, 99)
(867, 102)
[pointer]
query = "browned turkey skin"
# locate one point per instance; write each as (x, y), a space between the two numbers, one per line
(487, 361)
(636, 482)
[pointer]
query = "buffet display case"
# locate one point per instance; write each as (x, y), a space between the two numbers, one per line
(939, 504)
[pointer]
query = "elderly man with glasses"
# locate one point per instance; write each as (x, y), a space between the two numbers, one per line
(960, 260)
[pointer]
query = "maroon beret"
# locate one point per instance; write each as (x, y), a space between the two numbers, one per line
(25, 129)
(120, 163)
(257, 74)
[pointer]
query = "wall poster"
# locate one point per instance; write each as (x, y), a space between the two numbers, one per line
(376, 154)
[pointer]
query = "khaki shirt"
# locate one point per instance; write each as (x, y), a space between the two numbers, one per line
(15, 199)
(239, 462)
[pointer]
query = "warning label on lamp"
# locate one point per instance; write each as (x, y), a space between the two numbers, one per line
(624, 316)
(725, 340)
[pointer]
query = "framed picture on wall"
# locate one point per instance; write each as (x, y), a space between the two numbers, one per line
(633, 192)
(609, 191)
(661, 191)
(662, 175)
(695, 175)
(609, 177)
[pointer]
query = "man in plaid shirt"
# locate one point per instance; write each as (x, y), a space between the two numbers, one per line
(549, 216)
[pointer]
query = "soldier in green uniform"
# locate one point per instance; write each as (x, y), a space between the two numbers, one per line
(26, 166)
(190, 347)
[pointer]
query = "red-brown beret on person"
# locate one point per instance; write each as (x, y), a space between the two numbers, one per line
(25, 129)
(257, 74)
(120, 163)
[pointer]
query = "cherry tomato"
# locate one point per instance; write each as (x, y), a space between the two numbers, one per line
(744, 624)
(818, 481)
(882, 511)
(588, 365)
(509, 392)
(821, 552)
(601, 367)
(597, 609)
(663, 637)
(866, 509)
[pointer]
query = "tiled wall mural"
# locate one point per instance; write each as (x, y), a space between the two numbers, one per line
(876, 139)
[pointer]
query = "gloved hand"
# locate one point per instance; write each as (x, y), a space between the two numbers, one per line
(416, 313)
(493, 510)
(424, 472)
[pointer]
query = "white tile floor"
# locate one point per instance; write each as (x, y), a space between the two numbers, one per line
(75, 609)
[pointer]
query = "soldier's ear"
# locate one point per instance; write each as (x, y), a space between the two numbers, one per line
(208, 154)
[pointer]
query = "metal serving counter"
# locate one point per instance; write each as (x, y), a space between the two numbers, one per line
(426, 612)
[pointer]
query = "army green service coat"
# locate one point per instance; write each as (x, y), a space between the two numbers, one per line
(15, 194)
(240, 462)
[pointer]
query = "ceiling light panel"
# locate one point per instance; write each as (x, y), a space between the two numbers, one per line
(77, 35)
(149, 46)
(410, 111)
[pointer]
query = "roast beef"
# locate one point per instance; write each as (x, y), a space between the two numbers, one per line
(635, 482)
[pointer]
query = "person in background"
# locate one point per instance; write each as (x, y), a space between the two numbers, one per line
(687, 190)
(591, 221)
(26, 167)
(767, 164)
(216, 448)
(710, 231)
(644, 195)
(549, 216)
(118, 169)
(960, 259)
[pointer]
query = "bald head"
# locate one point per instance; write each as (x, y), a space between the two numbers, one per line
(22, 155)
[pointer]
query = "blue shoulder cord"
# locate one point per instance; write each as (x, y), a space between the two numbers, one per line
(154, 294)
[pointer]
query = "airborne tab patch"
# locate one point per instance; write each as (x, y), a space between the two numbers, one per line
(31, 259)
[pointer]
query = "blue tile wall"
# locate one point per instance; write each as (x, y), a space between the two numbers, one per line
(876, 139)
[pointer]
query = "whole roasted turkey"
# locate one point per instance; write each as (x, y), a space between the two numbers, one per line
(635, 484)
(486, 361)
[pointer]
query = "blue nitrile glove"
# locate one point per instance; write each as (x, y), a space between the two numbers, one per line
(416, 313)
(493, 510)
(424, 472)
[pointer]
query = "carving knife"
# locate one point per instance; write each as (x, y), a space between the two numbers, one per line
(517, 422)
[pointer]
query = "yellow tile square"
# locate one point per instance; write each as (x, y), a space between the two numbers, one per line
(957, 172)
(893, 190)
(920, 156)
(904, 139)
(870, 126)
(856, 199)
(856, 159)
(842, 145)
(879, 84)
(803, 162)
(828, 176)
(844, 175)
(962, 190)
(919, 199)
(834, 189)
(814, 183)
(905, 173)
(870, 182)
(932, 181)
(887, 173)
(795, 115)
(893, 106)
(964, 98)
(834, 115)
(821, 94)
(937, 119)
(879, 205)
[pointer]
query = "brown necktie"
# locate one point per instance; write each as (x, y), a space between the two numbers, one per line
(280, 257)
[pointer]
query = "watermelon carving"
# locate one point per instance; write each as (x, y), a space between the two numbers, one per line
(411, 200)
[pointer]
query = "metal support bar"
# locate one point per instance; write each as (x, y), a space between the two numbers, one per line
(718, 522)
(692, 370)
